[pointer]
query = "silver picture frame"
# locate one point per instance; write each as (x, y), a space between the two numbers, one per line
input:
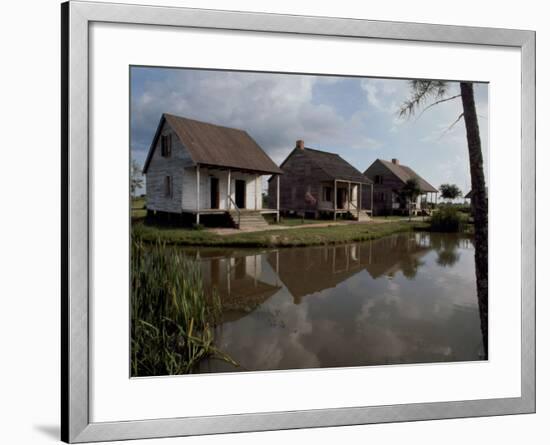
(75, 396)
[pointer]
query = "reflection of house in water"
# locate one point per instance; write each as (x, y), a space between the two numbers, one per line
(397, 253)
(241, 280)
(309, 270)
(244, 280)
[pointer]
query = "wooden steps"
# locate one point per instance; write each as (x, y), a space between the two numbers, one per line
(249, 219)
(363, 217)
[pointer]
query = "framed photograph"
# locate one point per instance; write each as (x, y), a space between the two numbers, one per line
(275, 222)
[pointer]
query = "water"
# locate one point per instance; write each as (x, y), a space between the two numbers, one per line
(407, 298)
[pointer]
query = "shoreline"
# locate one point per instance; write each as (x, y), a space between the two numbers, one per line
(336, 233)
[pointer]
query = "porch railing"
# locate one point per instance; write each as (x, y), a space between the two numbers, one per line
(236, 208)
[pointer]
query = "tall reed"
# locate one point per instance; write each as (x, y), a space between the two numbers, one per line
(172, 315)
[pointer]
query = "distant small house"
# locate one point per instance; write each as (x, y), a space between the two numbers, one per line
(389, 178)
(195, 168)
(316, 183)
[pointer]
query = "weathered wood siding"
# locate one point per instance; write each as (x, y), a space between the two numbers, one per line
(383, 193)
(189, 181)
(159, 168)
(299, 178)
(180, 167)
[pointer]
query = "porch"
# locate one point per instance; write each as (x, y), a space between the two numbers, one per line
(423, 204)
(344, 197)
(235, 192)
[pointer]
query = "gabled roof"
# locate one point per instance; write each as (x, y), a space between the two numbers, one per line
(405, 173)
(332, 165)
(217, 146)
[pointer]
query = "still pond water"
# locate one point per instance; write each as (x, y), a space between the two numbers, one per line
(407, 298)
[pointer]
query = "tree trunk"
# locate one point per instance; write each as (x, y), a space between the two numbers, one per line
(479, 206)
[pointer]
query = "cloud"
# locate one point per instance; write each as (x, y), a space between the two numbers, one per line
(275, 109)
(354, 117)
(384, 94)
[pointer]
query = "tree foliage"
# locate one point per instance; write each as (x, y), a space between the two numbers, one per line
(421, 92)
(450, 191)
(410, 192)
(136, 177)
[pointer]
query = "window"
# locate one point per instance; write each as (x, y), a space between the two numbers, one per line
(168, 186)
(378, 179)
(166, 145)
(327, 193)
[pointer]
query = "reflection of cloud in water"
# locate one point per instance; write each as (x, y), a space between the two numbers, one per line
(341, 306)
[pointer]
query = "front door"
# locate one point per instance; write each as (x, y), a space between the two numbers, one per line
(341, 198)
(240, 193)
(214, 193)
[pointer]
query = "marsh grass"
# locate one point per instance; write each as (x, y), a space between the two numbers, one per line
(448, 219)
(172, 314)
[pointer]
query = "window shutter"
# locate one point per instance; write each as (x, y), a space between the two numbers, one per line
(168, 186)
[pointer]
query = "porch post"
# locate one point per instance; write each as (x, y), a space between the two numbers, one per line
(372, 200)
(349, 196)
(359, 192)
(198, 218)
(256, 192)
(228, 201)
(278, 201)
(334, 198)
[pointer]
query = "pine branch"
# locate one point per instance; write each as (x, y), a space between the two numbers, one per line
(421, 90)
(437, 102)
(452, 125)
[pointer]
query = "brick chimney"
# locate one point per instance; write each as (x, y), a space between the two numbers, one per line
(395, 161)
(300, 144)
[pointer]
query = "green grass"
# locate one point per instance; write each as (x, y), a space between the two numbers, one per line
(389, 218)
(291, 222)
(311, 236)
(172, 315)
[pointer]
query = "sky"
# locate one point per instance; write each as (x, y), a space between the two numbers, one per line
(356, 117)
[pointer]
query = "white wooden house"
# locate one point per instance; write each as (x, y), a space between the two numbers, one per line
(200, 168)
